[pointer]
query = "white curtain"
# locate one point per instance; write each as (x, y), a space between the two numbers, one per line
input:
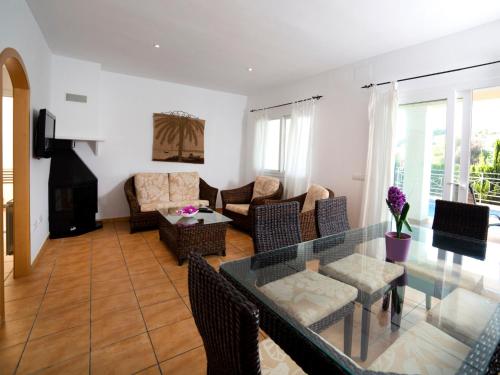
(379, 174)
(298, 146)
(259, 121)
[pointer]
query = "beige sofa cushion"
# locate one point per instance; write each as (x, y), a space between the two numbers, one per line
(151, 187)
(315, 193)
(241, 209)
(423, 349)
(265, 185)
(148, 207)
(309, 296)
(184, 186)
(274, 361)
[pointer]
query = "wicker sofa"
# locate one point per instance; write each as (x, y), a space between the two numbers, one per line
(307, 215)
(239, 204)
(148, 192)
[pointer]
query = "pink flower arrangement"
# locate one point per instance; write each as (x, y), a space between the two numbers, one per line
(188, 211)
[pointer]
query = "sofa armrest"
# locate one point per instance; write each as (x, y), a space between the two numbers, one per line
(208, 193)
(133, 203)
(299, 198)
(239, 195)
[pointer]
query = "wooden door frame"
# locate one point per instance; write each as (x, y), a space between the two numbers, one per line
(21, 134)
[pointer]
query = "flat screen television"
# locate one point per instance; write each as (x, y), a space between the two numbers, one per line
(44, 133)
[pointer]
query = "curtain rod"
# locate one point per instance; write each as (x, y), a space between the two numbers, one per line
(317, 97)
(432, 74)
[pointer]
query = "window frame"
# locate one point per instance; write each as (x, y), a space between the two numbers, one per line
(282, 147)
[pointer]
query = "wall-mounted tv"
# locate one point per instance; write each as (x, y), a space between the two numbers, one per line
(43, 134)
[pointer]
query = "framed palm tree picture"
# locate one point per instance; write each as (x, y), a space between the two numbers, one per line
(178, 137)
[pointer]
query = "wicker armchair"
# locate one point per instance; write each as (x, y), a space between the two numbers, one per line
(229, 325)
(461, 219)
(243, 195)
(331, 216)
(276, 226)
(307, 219)
(149, 220)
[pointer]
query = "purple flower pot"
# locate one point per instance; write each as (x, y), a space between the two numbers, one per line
(397, 248)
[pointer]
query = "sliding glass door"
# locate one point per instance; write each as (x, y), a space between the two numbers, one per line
(449, 148)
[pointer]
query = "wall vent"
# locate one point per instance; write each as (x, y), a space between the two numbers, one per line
(76, 98)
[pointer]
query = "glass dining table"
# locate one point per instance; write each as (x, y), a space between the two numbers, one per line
(339, 305)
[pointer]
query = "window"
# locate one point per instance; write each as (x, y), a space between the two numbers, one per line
(275, 136)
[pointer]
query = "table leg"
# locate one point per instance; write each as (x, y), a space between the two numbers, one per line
(365, 331)
(348, 323)
(398, 296)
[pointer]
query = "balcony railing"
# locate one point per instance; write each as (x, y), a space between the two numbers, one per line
(486, 185)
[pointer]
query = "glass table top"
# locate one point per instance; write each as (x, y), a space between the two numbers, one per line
(437, 312)
(202, 218)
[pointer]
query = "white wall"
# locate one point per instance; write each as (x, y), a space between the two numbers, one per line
(342, 129)
(72, 76)
(19, 30)
(126, 114)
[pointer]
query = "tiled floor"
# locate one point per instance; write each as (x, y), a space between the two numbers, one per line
(107, 302)
(114, 303)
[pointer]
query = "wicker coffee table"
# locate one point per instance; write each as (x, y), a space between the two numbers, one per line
(205, 233)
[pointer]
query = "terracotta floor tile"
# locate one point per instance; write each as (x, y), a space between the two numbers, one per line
(9, 357)
(20, 291)
(193, 362)
(71, 270)
(165, 313)
(67, 282)
(177, 273)
(182, 287)
(163, 291)
(106, 242)
(138, 256)
(124, 357)
(155, 370)
(148, 279)
(116, 326)
(66, 317)
(49, 350)
(63, 298)
(174, 339)
(15, 332)
(144, 266)
(117, 302)
(187, 302)
(22, 308)
(109, 287)
(78, 365)
(110, 271)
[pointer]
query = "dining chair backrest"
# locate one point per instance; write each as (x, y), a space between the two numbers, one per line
(331, 216)
(461, 219)
(228, 323)
(276, 226)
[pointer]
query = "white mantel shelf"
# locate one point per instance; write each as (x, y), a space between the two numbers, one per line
(94, 143)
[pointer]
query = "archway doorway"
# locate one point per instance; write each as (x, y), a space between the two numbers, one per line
(13, 63)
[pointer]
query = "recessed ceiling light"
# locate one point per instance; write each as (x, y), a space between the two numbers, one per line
(250, 69)
(156, 45)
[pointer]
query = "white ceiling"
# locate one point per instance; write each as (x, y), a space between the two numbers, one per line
(210, 43)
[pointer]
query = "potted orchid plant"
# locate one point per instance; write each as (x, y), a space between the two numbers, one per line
(398, 243)
(188, 211)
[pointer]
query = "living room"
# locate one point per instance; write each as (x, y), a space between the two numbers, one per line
(285, 97)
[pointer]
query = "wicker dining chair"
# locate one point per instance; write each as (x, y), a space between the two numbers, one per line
(229, 326)
(276, 226)
(307, 219)
(331, 216)
(461, 219)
